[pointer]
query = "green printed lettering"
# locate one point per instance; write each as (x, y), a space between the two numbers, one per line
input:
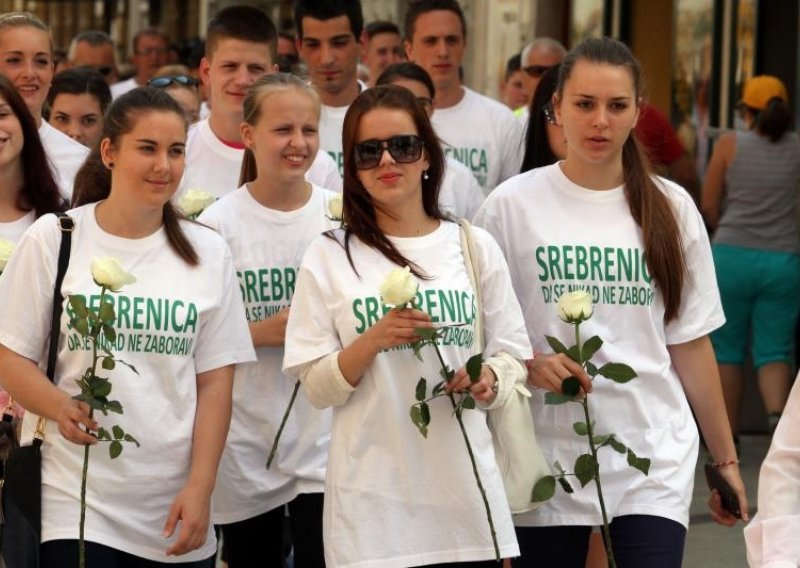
(626, 260)
(372, 305)
(554, 257)
(291, 277)
(568, 261)
(122, 309)
(263, 284)
(174, 312)
(608, 257)
(543, 273)
(138, 312)
(362, 322)
(430, 303)
(153, 314)
(276, 284)
(595, 263)
(250, 286)
(241, 285)
(191, 319)
(582, 267)
(447, 304)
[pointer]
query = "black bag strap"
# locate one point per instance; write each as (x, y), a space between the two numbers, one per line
(66, 224)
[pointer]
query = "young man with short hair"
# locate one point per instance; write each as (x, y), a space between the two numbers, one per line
(478, 131)
(150, 53)
(384, 46)
(240, 49)
(329, 39)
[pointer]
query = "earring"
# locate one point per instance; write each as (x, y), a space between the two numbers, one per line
(425, 174)
(110, 165)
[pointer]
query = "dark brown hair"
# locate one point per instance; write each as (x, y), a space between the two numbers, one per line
(39, 187)
(245, 23)
(418, 7)
(358, 210)
(93, 180)
(648, 204)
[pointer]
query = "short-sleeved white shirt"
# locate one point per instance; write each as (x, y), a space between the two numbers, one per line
(460, 194)
(65, 154)
(13, 230)
(174, 322)
(558, 236)
(120, 88)
(393, 498)
(261, 393)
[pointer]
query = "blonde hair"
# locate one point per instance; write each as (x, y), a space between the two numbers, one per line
(267, 86)
(23, 19)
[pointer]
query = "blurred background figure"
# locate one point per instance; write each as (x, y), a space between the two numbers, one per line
(178, 82)
(95, 49)
(287, 58)
(512, 88)
(384, 47)
(78, 99)
(150, 53)
(545, 142)
(536, 58)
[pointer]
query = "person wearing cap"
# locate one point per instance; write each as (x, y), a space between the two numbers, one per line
(748, 199)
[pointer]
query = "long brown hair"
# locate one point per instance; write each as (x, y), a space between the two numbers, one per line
(357, 207)
(648, 204)
(93, 180)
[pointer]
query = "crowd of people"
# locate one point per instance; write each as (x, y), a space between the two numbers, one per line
(333, 154)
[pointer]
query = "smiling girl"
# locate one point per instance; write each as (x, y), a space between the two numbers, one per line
(599, 221)
(275, 205)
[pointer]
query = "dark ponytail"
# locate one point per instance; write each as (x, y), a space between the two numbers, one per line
(775, 120)
(93, 180)
(648, 204)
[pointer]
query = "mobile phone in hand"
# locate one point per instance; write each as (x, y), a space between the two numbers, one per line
(728, 496)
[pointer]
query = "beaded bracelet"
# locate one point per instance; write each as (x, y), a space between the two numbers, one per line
(720, 464)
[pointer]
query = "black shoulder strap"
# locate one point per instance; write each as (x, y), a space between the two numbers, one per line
(67, 225)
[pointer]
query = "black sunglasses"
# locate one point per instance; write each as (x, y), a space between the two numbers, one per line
(166, 81)
(536, 71)
(104, 71)
(403, 149)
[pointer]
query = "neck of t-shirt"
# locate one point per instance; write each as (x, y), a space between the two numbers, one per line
(446, 98)
(343, 98)
(231, 137)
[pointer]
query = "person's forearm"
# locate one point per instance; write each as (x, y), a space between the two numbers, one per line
(356, 357)
(270, 332)
(29, 386)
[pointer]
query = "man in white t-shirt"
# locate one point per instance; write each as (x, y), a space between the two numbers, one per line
(150, 53)
(330, 37)
(240, 47)
(384, 47)
(478, 131)
(538, 56)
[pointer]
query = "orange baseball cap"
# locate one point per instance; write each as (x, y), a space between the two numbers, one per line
(759, 90)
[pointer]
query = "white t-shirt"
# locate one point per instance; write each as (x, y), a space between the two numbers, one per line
(460, 194)
(65, 154)
(392, 497)
(174, 322)
(13, 230)
(482, 134)
(261, 393)
(119, 89)
(331, 121)
(558, 236)
(214, 166)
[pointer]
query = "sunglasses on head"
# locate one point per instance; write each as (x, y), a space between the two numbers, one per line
(166, 81)
(403, 149)
(537, 70)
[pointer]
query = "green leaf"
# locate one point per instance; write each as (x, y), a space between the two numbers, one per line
(82, 325)
(618, 446)
(102, 434)
(131, 367)
(447, 373)
(438, 388)
(555, 344)
(101, 388)
(565, 485)
(591, 346)
(417, 347)
(129, 438)
(426, 413)
(114, 406)
(108, 363)
(421, 390)
(115, 449)
(90, 400)
(78, 305)
(468, 403)
(107, 314)
(642, 464)
(544, 489)
(427, 333)
(617, 372)
(601, 441)
(580, 428)
(558, 466)
(474, 365)
(573, 354)
(416, 418)
(591, 368)
(110, 333)
(556, 398)
(585, 468)
(119, 433)
(571, 386)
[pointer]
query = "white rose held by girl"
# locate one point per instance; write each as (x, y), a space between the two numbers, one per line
(195, 201)
(399, 288)
(575, 307)
(335, 207)
(108, 273)
(6, 250)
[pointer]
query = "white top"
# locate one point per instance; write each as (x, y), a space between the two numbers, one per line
(176, 321)
(65, 154)
(484, 135)
(261, 393)
(392, 497)
(557, 237)
(13, 230)
(771, 536)
(119, 89)
(331, 121)
(214, 166)
(460, 194)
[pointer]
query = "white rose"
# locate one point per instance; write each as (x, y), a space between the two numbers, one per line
(335, 207)
(6, 250)
(399, 287)
(108, 272)
(575, 307)
(194, 202)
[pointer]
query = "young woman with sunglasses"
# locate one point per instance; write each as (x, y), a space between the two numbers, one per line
(599, 221)
(392, 497)
(78, 99)
(178, 83)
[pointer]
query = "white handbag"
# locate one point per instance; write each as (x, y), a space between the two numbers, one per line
(518, 455)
